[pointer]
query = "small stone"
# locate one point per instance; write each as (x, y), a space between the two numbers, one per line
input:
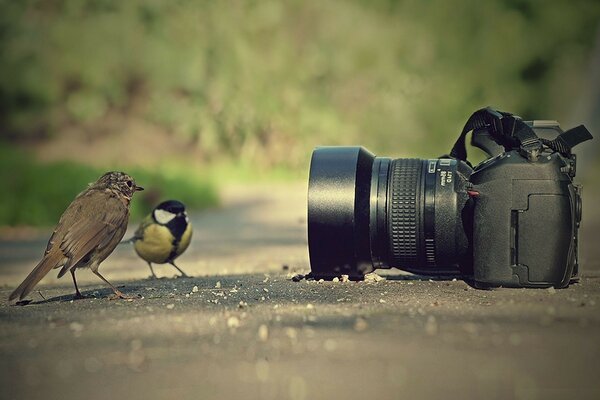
(265, 290)
(187, 295)
(218, 285)
(336, 279)
(263, 333)
(195, 289)
(551, 290)
(242, 304)
(382, 301)
(170, 306)
(373, 278)
(345, 278)
(233, 322)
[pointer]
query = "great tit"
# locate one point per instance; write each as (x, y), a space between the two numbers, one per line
(163, 235)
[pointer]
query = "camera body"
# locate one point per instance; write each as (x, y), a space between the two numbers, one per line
(510, 221)
(526, 215)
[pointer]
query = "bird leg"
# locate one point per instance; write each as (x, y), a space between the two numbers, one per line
(118, 293)
(183, 274)
(152, 270)
(78, 294)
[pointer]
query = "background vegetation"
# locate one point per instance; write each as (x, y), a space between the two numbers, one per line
(184, 90)
(37, 194)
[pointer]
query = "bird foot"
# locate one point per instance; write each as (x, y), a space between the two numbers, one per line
(120, 295)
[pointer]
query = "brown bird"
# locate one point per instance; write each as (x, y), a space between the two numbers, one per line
(88, 231)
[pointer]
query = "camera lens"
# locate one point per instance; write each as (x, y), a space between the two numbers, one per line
(367, 212)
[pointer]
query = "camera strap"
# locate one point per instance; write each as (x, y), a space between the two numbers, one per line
(512, 133)
(565, 142)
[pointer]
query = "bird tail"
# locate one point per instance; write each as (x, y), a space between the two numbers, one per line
(33, 278)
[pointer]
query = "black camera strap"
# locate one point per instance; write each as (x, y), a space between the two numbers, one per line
(569, 139)
(511, 132)
(480, 119)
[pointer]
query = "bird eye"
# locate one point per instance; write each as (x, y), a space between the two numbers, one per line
(129, 183)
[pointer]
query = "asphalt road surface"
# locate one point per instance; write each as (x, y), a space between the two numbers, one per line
(240, 328)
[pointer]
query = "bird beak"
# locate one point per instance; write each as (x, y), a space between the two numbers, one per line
(138, 188)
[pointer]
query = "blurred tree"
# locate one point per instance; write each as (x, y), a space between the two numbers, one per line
(262, 82)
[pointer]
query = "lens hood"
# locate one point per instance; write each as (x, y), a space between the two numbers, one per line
(339, 212)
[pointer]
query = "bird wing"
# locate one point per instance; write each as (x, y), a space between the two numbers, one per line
(94, 231)
(139, 232)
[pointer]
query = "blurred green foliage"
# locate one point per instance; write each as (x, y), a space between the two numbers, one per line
(37, 194)
(258, 84)
(265, 81)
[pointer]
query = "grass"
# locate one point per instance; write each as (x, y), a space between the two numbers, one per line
(36, 194)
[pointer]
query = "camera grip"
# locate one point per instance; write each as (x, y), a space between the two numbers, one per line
(523, 236)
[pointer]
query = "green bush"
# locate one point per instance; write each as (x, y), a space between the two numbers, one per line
(37, 194)
(262, 82)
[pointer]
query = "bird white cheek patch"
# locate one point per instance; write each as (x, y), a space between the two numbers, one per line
(163, 217)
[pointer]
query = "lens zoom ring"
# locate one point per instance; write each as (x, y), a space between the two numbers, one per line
(405, 184)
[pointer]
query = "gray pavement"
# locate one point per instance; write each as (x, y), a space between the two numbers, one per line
(241, 328)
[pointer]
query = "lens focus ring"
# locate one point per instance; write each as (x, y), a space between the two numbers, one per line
(404, 211)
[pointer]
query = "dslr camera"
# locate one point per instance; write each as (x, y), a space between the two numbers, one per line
(510, 221)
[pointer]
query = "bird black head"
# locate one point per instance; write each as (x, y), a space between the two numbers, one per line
(172, 206)
(117, 181)
(167, 210)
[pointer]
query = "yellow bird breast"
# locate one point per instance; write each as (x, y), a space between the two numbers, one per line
(156, 244)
